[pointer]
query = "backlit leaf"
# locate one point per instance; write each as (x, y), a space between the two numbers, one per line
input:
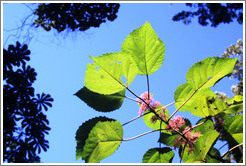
(234, 126)
(205, 127)
(202, 146)
(200, 77)
(152, 121)
(83, 133)
(105, 75)
(207, 72)
(235, 105)
(103, 140)
(158, 155)
(146, 49)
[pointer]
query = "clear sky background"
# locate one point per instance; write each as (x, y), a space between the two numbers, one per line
(60, 61)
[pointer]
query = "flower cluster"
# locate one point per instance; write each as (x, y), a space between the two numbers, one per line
(148, 98)
(175, 124)
(190, 141)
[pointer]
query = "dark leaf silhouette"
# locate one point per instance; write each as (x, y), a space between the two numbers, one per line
(24, 124)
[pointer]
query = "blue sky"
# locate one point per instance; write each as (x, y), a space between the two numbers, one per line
(61, 59)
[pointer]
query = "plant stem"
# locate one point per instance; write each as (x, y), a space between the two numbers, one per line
(131, 120)
(170, 104)
(140, 135)
(217, 158)
(182, 105)
(195, 126)
(160, 137)
(231, 150)
(153, 111)
(131, 98)
(220, 148)
(143, 114)
(147, 76)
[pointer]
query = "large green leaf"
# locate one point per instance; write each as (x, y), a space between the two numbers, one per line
(100, 102)
(184, 91)
(202, 146)
(234, 126)
(200, 77)
(205, 106)
(158, 155)
(146, 49)
(152, 121)
(105, 75)
(103, 139)
(83, 133)
(207, 72)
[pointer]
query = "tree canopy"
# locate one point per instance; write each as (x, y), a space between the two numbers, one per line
(211, 13)
(81, 16)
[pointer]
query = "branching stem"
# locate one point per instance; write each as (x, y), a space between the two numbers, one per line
(140, 135)
(195, 126)
(131, 98)
(231, 150)
(219, 149)
(144, 113)
(153, 111)
(131, 120)
(182, 105)
(217, 158)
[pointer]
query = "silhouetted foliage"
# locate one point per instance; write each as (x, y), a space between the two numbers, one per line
(24, 123)
(215, 13)
(74, 16)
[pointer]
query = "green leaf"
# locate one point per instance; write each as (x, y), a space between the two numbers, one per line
(103, 139)
(205, 127)
(100, 102)
(234, 126)
(152, 121)
(184, 91)
(105, 75)
(209, 71)
(83, 133)
(202, 146)
(236, 105)
(235, 99)
(205, 106)
(200, 77)
(158, 155)
(146, 49)
(168, 139)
